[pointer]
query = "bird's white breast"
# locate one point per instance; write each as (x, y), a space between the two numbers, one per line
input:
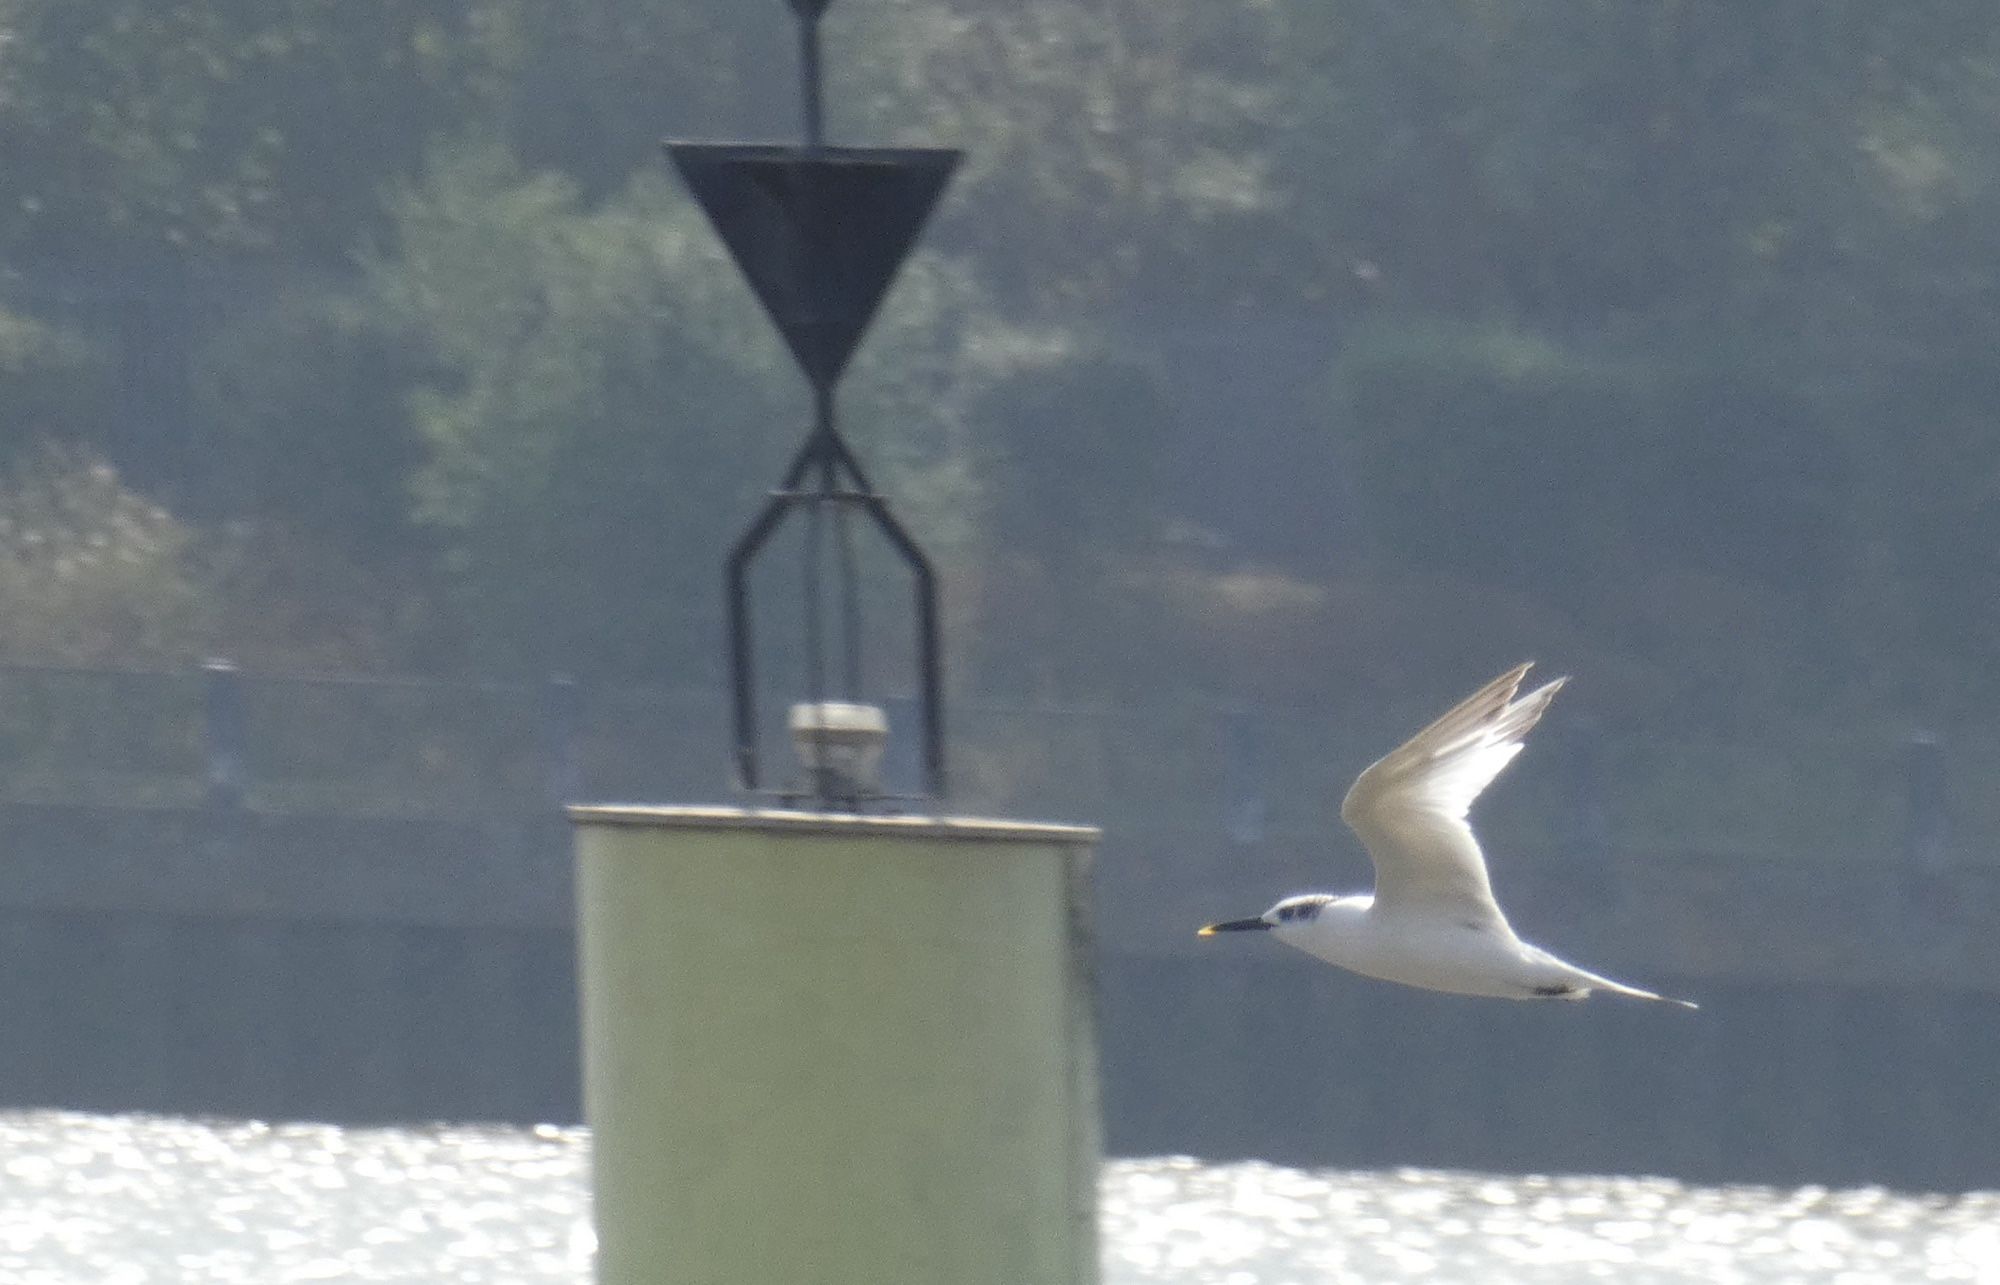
(1440, 953)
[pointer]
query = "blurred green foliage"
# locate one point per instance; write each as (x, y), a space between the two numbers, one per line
(1659, 339)
(91, 571)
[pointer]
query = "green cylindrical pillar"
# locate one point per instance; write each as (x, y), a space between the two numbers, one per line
(833, 1048)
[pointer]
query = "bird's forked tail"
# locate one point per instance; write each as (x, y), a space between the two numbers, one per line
(1633, 992)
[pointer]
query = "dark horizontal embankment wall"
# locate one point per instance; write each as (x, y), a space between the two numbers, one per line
(1238, 1054)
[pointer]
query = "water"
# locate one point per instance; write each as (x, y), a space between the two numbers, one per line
(128, 1200)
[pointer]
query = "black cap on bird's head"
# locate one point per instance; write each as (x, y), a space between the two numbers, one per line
(1299, 909)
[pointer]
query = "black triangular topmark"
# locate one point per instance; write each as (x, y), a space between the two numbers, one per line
(818, 231)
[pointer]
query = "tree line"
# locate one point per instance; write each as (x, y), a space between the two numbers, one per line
(1658, 339)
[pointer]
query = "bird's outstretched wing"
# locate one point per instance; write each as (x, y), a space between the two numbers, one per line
(1409, 806)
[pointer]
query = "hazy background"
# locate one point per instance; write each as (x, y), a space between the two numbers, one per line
(1272, 373)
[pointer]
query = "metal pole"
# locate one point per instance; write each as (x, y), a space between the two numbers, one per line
(742, 653)
(743, 683)
(930, 661)
(809, 74)
(815, 645)
(930, 649)
(850, 603)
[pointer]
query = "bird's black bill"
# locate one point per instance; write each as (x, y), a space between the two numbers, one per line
(1234, 926)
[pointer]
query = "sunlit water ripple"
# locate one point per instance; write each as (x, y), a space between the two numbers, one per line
(125, 1200)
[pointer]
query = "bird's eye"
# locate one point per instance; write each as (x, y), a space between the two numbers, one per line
(1288, 912)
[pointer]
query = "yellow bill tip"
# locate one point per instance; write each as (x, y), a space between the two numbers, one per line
(1206, 930)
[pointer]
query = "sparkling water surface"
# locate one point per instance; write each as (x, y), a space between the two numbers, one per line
(135, 1200)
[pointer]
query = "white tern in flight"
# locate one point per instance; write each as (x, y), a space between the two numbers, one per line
(1432, 921)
